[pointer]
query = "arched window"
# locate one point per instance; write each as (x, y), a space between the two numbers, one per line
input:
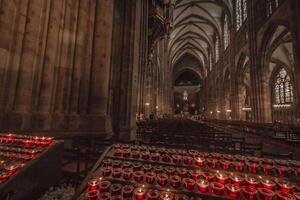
(226, 32)
(271, 5)
(240, 12)
(210, 61)
(217, 46)
(283, 89)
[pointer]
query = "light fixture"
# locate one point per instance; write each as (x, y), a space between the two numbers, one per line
(229, 111)
(147, 104)
(218, 111)
(281, 105)
(246, 109)
(156, 107)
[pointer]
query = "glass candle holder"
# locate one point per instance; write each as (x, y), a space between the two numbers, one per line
(267, 169)
(166, 158)
(252, 182)
(162, 179)
(104, 186)
(126, 153)
(152, 195)
(92, 195)
(193, 153)
(106, 171)
(281, 163)
(268, 183)
(107, 163)
(105, 196)
(233, 190)
(188, 160)
(150, 177)
(253, 160)
(212, 163)
(285, 196)
(182, 172)
(127, 191)
(216, 156)
(135, 154)
(138, 176)
(117, 197)
(93, 184)
(175, 181)
(188, 183)
(249, 193)
(116, 146)
(236, 180)
(145, 155)
(115, 189)
(158, 169)
(266, 194)
(126, 164)
(166, 196)
(221, 177)
(176, 159)
(147, 168)
(202, 185)
(239, 166)
(225, 164)
(282, 170)
(195, 174)
(11, 167)
(116, 173)
(252, 167)
(170, 171)
(125, 146)
(268, 161)
(228, 157)
(199, 161)
(285, 186)
(139, 193)
(155, 157)
(127, 174)
(208, 176)
(137, 166)
(217, 188)
(117, 152)
(117, 164)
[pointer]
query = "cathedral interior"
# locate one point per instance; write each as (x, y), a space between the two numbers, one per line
(149, 99)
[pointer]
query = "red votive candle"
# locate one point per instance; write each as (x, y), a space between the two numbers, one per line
(145, 155)
(281, 162)
(158, 169)
(266, 194)
(193, 153)
(212, 163)
(236, 180)
(166, 158)
(253, 160)
(150, 177)
(105, 196)
(216, 156)
(285, 186)
(217, 188)
(147, 168)
(267, 169)
(115, 189)
(268, 161)
(117, 164)
(104, 186)
(139, 193)
(228, 157)
(92, 195)
(182, 172)
(268, 183)
(126, 153)
(252, 167)
(188, 183)
(175, 181)
(127, 191)
(204, 155)
(166, 196)
(221, 177)
(11, 167)
(249, 193)
(138, 176)
(106, 171)
(116, 173)
(127, 174)
(285, 196)
(199, 161)
(239, 166)
(126, 165)
(152, 195)
(154, 157)
(233, 190)
(135, 154)
(202, 185)
(107, 163)
(170, 171)
(282, 170)
(252, 182)
(194, 174)
(93, 184)
(125, 146)
(137, 166)
(162, 179)
(117, 152)
(4, 176)
(188, 160)
(208, 176)
(225, 164)
(116, 146)
(176, 159)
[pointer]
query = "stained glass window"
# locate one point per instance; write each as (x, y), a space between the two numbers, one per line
(283, 89)
(226, 32)
(271, 5)
(185, 95)
(240, 12)
(217, 46)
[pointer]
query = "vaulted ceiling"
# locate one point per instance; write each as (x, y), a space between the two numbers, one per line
(196, 23)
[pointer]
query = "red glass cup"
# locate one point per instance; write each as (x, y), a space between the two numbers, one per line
(236, 180)
(193, 153)
(170, 171)
(175, 181)
(166, 195)
(150, 177)
(202, 185)
(199, 161)
(249, 192)
(137, 166)
(104, 186)
(166, 158)
(125, 146)
(182, 172)
(252, 167)
(126, 153)
(152, 195)
(228, 157)
(266, 194)
(117, 164)
(145, 155)
(252, 182)
(217, 188)
(281, 162)
(194, 174)
(117, 152)
(92, 195)
(162, 179)
(212, 163)
(11, 167)
(189, 183)
(126, 164)
(127, 191)
(115, 189)
(107, 163)
(138, 176)
(284, 185)
(221, 177)
(285, 196)
(282, 170)
(268, 183)
(93, 184)
(208, 176)
(239, 166)
(176, 159)
(147, 168)
(158, 169)
(139, 193)
(135, 154)
(268, 161)
(233, 190)
(105, 196)
(225, 164)
(127, 174)
(155, 157)
(106, 171)
(116, 146)
(116, 173)
(267, 169)
(216, 156)
(4, 176)
(188, 160)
